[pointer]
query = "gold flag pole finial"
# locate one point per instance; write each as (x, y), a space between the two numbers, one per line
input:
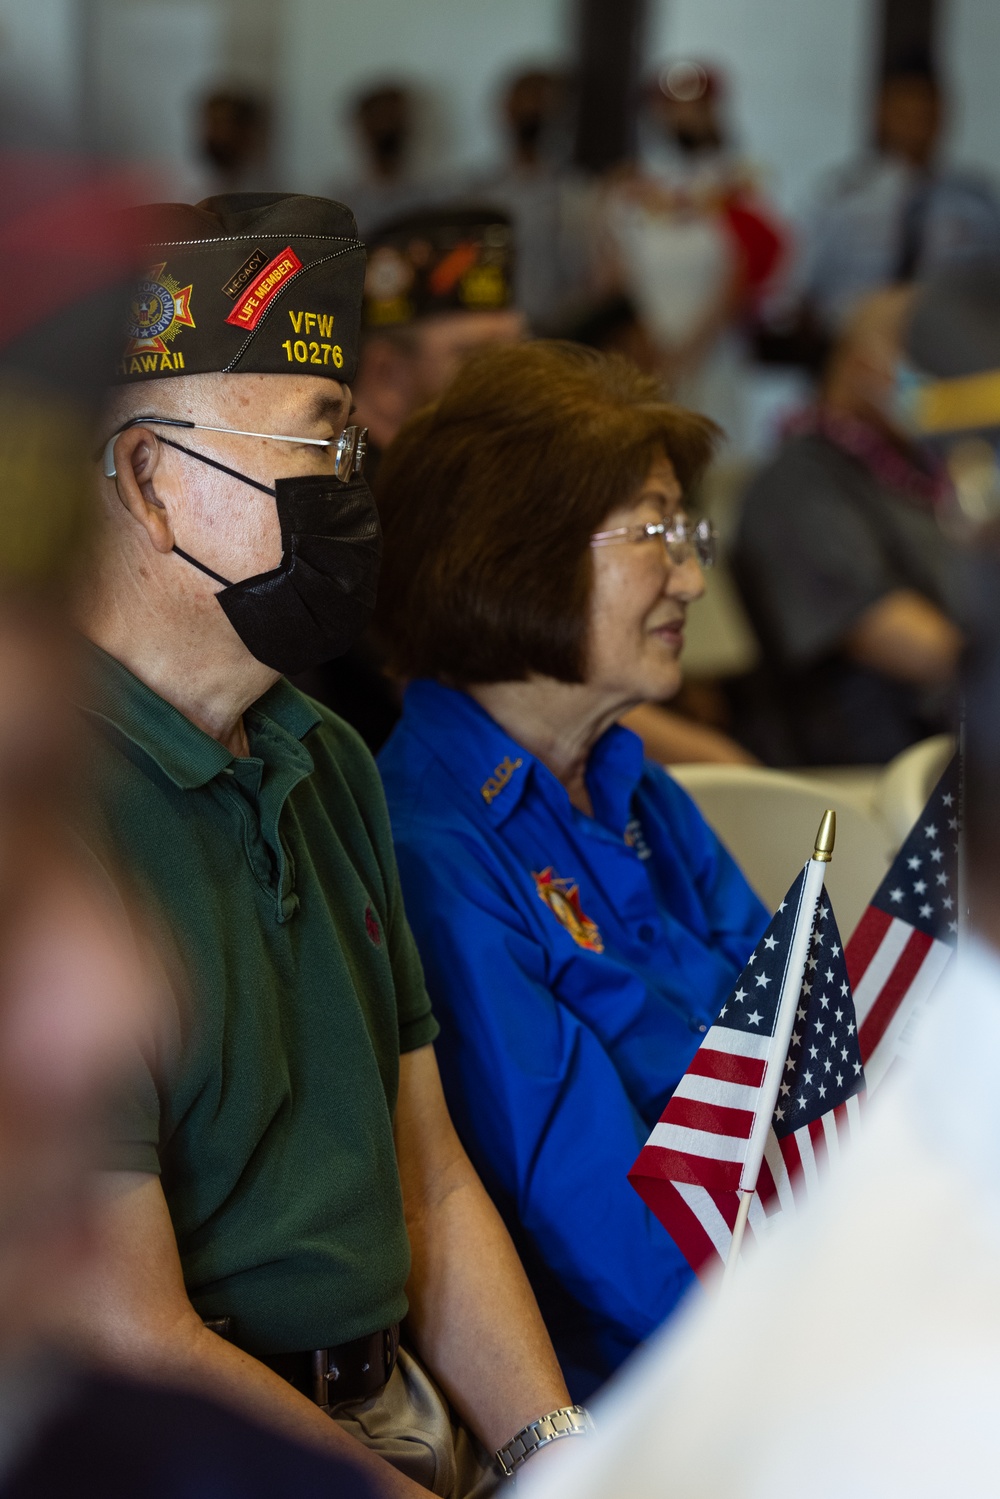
(826, 837)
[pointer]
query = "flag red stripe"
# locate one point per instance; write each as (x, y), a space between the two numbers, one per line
(681, 1223)
(714, 1119)
(681, 1166)
(817, 1135)
(749, 1071)
(767, 1189)
(865, 943)
(792, 1159)
(893, 991)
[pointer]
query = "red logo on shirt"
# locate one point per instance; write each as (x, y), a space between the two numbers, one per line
(563, 899)
(372, 927)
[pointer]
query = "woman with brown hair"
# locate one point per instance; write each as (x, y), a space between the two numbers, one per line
(579, 922)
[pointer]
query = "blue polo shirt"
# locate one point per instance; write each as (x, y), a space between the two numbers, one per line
(574, 964)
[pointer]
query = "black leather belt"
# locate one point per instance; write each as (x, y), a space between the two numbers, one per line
(350, 1371)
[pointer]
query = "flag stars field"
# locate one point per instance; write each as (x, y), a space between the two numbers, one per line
(689, 1170)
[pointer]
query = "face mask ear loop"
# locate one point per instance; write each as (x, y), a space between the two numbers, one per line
(202, 568)
(233, 474)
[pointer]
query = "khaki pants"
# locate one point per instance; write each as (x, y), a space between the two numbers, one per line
(411, 1425)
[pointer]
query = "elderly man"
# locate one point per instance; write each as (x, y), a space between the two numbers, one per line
(296, 1183)
(83, 987)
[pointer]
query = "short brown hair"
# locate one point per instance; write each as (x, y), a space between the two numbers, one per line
(489, 497)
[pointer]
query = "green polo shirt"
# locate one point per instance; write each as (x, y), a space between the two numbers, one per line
(273, 1131)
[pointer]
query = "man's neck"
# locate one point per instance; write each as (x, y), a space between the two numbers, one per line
(211, 684)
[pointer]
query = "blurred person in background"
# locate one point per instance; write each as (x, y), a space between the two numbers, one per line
(578, 921)
(882, 1294)
(439, 284)
(687, 235)
(87, 985)
(293, 1188)
(384, 119)
(899, 212)
(544, 202)
(235, 141)
(845, 569)
(233, 145)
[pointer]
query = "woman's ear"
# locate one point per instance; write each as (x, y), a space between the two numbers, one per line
(137, 458)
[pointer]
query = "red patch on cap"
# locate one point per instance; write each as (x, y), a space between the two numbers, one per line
(448, 272)
(251, 308)
(372, 927)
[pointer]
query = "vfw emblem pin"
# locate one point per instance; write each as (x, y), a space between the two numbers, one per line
(160, 308)
(563, 899)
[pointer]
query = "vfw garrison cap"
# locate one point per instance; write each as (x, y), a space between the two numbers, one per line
(457, 258)
(246, 283)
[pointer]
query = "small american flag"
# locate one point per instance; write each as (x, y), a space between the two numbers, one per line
(688, 1172)
(904, 941)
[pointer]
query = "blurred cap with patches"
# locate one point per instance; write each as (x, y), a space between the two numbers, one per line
(439, 260)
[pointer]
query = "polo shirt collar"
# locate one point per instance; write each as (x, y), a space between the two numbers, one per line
(190, 757)
(496, 771)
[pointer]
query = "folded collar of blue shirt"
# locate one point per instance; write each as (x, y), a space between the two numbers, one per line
(496, 771)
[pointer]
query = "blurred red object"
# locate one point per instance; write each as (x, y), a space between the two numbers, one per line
(63, 233)
(761, 244)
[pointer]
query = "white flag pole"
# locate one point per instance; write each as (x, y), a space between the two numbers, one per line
(791, 988)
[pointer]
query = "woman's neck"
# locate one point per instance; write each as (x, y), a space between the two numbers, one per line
(557, 722)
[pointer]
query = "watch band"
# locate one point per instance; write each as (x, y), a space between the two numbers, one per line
(568, 1421)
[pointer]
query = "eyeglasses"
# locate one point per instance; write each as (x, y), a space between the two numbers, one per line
(348, 449)
(681, 538)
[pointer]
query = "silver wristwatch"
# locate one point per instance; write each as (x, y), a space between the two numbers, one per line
(569, 1421)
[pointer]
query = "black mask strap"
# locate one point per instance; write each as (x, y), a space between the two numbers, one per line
(201, 567)
(233, 473)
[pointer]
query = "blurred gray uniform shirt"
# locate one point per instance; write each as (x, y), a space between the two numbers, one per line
(820, 540)
(879, 221)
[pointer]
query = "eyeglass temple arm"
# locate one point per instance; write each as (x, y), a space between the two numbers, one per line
(174, 421)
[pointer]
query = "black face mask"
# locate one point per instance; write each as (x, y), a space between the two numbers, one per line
(316, 603)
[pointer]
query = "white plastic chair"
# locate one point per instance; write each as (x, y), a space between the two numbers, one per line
(902, 789)
(768, 819)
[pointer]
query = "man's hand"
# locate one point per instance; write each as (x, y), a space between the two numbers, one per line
(473, 1317)
(131, 1311)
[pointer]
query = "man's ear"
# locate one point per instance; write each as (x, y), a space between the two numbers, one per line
(137, 459)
